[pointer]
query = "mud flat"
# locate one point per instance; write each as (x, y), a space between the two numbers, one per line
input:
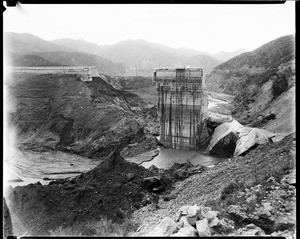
(25, 167)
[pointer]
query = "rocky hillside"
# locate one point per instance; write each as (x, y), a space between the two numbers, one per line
(62, 112)
(251, 69)
(236, 193)
(257, 199)
(257, 79)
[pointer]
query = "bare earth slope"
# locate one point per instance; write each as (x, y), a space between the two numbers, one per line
(62, 112)
(262, 81)
(106, 191)
(251, 69)
(206, 188)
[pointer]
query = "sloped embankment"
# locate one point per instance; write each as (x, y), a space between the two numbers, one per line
(206, 188)
(62, 112)
(113, 189)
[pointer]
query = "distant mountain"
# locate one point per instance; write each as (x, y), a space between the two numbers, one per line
(25, 43)
(28, 50)
(143, 54)
(226, 55)
(81, 45)
(142, 57)
(204, 61)
(256, 78)
(192, 52)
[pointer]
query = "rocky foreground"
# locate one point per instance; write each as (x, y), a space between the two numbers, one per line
(248, 195)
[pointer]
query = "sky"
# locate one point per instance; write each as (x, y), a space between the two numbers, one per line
(204, 27)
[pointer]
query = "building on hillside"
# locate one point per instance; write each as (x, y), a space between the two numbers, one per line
(89, 73)
(181, 106)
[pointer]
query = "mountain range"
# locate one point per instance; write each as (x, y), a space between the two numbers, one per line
(130, 57)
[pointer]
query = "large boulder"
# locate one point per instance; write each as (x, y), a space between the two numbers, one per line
(192, 213)
(203, 228)
(232, 138)
(250, 137)
(188, 231)
(251, 230)
(224, 138)
(155, 183)
(165, 228)
(235, 212)
(206, 212)
(215, 119)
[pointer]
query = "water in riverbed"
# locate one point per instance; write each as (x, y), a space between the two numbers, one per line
(168, 156)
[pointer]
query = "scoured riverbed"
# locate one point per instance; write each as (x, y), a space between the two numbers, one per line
(166, 157)
(24, 167)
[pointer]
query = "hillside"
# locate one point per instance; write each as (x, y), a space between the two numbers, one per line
(24, 49)
(251, 68)
(103, 65)
(28, 60)
(226, 55)
(25, 43)
(258, 78)
(237, 189)
(62, 112)
(81, 45)
(130, 57)
(206, 62)
(240, 183)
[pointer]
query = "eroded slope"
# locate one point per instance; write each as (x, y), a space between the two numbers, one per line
(62, 112)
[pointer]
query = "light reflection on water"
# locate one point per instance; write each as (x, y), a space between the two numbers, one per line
(168, 156)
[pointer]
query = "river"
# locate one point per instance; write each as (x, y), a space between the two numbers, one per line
(167, 157)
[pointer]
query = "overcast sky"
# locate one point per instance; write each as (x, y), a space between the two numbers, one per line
(203, 27)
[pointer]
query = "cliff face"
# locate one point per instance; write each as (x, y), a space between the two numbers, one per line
(62, 112)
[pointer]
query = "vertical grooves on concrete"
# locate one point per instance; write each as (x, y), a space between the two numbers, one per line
(179, 106)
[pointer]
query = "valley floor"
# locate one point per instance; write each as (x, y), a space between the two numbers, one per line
(271, 160)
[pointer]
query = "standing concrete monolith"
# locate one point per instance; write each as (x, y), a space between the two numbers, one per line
(182, 107)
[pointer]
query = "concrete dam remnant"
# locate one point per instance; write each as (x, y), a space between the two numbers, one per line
(182, 107)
